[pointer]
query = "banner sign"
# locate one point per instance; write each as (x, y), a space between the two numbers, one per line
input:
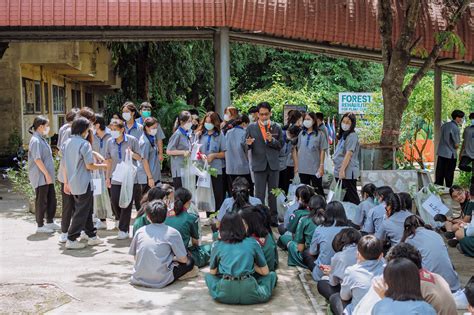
(354, 102)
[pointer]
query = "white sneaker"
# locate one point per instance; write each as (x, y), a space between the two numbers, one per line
(63, 238)
(94, 241)
(84, 237)
(74, 245)
(44, 229)
(100, 225)
(53, 226)
(122, 235)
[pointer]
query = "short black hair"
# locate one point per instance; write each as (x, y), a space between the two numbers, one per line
(457, 114)
(405, 201)
(370, 247)
(469, 292)
(471, 115)
(71, 115)
(305, 195)
(393, 201)
(335, 214)
(79, 125)
(253, 110)
(99, 119)
(320, 116)
(231, 228)
(193, 111)
(345, 237)
(369, 189)
(265, 105)
(384, 192)
(241, 119)
(403, 280)
(294, 130)
(181, 197)
(39, 121)
(156, 211)
(405, 250)
(255, 222)
(454, 188)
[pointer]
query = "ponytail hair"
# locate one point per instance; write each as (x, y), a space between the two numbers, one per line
(38, 122)
(317, 206)
(241, 198)
(181, 197)
(411, 224)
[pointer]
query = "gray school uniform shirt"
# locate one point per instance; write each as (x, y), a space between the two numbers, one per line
(468, 139)
(351, 143)
(99, 144)
(340, 261)
(214, 143)
(65, 134)
(374, 219)
(149, 151)
(236, 155)
(357, 281)
(450, 136)
(180, 140)
(78, 153)
(228, 203)
(117, 152)
(435, 255)
(154, 247)
(388, 306)
(309, 147)
(285, 153)
(39, 149)
(61, 133)
(322, 243)
(136, 130)
(364, 209)
(392, 227)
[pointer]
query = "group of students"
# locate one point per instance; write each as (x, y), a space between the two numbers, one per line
(251, 154)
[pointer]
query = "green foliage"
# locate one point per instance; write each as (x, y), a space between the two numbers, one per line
(463, 179)
(453, 41)
(15, 142)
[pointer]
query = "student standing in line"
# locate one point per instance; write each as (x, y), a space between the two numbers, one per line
(320, 123)
(235, 258)
(265, 139)
(447, 149)
(236, 157)
(145, 112)
(41, 175)
(79, 162)
(433, 250)
(311, 151)
(230, 115)
(346, 158)
(367, 192)
(400, 290)
(159, 251)
(179, 147)
(213, 146)
(290, 136)
(98, 145)
(117, 147)
(375, 216)
(149, 169)
(467, 151)
(70, 115)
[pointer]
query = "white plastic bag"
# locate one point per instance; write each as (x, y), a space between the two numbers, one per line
(328, 176)
(204, 192)
(128, 180)
(102, 205)
(281, 206)
(338, 193)
(187, 177)
(423, 195)
(295, 183)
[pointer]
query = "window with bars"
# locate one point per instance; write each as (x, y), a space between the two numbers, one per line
(58, 99)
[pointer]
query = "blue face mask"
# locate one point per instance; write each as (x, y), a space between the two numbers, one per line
(376, 201)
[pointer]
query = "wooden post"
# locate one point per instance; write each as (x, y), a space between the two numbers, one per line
(437, 109)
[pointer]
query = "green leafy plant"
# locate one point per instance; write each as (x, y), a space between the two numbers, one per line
(277, 192)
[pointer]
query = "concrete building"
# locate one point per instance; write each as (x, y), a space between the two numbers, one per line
(50, 78)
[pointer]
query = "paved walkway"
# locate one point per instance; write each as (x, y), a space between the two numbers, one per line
(96, 279)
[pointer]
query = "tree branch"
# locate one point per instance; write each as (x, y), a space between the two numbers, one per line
(385, 19)
(435, 52)
(408, 29)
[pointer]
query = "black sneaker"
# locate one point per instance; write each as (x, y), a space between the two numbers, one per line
(449, 235)
(440, 218)
(453, 242)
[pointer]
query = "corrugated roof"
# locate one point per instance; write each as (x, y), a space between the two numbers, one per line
(350, 23)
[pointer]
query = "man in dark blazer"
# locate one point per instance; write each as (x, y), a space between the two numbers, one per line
(265, 139)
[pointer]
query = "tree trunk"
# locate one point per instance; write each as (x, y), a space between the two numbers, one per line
(142, 73)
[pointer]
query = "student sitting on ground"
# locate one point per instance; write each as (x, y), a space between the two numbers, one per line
(187, 225)
(400, 290)
(234, 259)
(160, 255)
(433, 250)
(365, 206)
(396, 211)
(240, 198)
(345, 246)
(283, 228)
(305, 230)
(376, 215)
(469, 291)
(358, 278)
(320, 250)
(163, 192)
(258, 226)
(306, 193)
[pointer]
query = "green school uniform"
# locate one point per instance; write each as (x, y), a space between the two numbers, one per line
(237, 260)
(140, 222)
(304, 234)
(270, 251)
(292, 225)
(187, 225)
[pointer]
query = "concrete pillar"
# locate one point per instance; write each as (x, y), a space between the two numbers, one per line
(437, 108)
(221, 69)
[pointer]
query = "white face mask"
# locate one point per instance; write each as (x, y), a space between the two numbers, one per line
(226, 117)
(345, 127)
(153, 132)
(308, 123)
(46, 131)
(187, 126)
(115, 134)
(208, 126)
(266, 122)
(126, 116)
(472, 122)
(251, 119)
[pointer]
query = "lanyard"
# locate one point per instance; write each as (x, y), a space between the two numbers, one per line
(152, 142)
(208, 146)
(184, 132)
(119, 145)
(133, 127)
(101, 141)
(308, 138)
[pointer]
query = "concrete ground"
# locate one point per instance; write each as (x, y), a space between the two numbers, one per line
(95, 280)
